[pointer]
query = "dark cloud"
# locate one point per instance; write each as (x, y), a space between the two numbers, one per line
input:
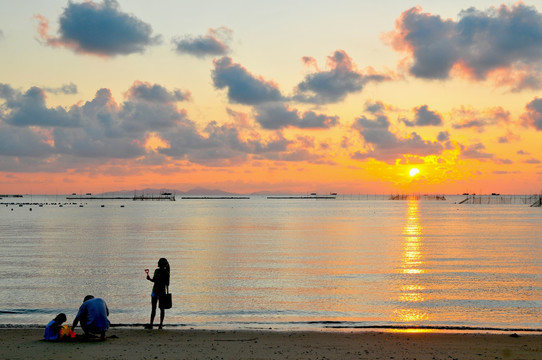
(156, 93)
(221, 145)
(471, 123)
(533, 115)
(100, 134)
(68, 89)
(334, 85)
(475, 151)
(23, 142)
(375, 108)
(277, 116)
(243, 87)
(214, 43)
(29, 109)
(533, 161)
(507, 40)
(443, 136)
(424, 117)
(386, 146)
(102, 130)
(100, 29)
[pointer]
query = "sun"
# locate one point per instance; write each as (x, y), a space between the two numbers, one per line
(413, 172)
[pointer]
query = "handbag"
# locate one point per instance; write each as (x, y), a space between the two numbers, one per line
(164, 301)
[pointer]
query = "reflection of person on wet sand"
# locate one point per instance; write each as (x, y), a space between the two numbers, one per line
(161, 281)
(93, 315)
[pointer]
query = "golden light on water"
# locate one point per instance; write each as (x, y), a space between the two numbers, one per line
(411, 265)
(412, 261)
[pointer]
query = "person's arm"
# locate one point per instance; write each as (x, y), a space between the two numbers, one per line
(77, 317)
(156, 275)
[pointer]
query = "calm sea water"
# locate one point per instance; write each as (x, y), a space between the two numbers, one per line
(261, 263)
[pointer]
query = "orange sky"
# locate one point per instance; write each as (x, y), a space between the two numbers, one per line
(173, 97)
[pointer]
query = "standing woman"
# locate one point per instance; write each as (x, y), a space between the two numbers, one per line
(161, 281)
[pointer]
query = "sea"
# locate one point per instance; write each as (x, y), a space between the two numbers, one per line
(353, 262)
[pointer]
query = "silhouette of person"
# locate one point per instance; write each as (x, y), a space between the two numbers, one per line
(93, 315)
(52, 330)
(161, 281)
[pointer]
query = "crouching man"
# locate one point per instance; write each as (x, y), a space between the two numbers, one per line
(93, 315)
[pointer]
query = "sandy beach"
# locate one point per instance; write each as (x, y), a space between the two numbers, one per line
(123, 343)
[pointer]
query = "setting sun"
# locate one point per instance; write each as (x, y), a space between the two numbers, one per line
(413, 172)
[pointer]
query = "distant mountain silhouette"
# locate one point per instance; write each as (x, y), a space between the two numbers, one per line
(149, 191)
(204, 191)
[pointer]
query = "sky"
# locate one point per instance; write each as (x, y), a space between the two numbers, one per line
(297, 96)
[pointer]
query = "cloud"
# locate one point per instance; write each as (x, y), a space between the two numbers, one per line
(533, 116)
(100, 134)
(443, 136)
(277, 116)
(214, 43)
(424, 117)
(67, 89)
(155, 93)
(99, 29)
(475, 151)
(29, 109)
(23, 142)
(342, 78)
(386, 146)
(533, 161)
(504, 44)
(243, 87)
(146, 128)
(508, 138)
(479, 119)
(224, 145)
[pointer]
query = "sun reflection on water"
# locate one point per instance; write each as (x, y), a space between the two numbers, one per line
(411, 265)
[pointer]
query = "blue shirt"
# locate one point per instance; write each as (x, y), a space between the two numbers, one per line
(51, 331)
(93, 315)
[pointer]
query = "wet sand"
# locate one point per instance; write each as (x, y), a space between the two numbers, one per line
(130, 343)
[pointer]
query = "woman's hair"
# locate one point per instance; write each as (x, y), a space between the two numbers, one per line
(164, 265)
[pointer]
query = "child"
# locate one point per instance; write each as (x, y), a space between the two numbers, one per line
(52, 330)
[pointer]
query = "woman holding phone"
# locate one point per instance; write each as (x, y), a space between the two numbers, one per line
(161, 282)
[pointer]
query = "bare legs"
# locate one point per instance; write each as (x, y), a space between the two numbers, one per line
(162, 315)
(154, 302)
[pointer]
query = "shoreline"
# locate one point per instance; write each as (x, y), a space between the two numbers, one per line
(320, 327)
(308, 328)
(325, 326)
(138, 343)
